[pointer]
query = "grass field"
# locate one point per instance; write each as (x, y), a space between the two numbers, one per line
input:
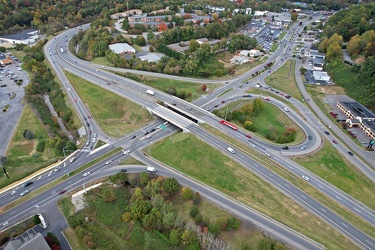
(206, 164)
(272, 117)
(131, 161)
(115, 115)
(330, 165)
(283, 79)
(274, 47)
(102, 61)
(22, 158)
(164, 85)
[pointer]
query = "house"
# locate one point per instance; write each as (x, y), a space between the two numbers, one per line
(119, 48)
(318, 64)
(239, 60)
(24, 37)
(244, 53)
(35, 242)
(5, 59)
(150, 57)
(126, 14)
(318, 55)
(360, 116)
(254, 53)
(321, 76)
(260, 13)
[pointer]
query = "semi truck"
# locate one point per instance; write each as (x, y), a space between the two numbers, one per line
(150, 92)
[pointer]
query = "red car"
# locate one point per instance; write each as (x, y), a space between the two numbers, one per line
(335, 142)
(62, 192)
(266, 98)
(282, 94)
(248, 136)
(90, 132)
(222, 101)
(75, 100)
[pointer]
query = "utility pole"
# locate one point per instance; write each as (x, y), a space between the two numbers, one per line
(5, 172)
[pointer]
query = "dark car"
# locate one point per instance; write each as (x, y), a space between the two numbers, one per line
(133, 137)
(222, 101)
(309, 137)
(123, 170)
(216, 106)
(26, 184)
(326, 132)
(174, 104)
(88, 124)
(62, 192)
(152, 130)
(350, 153)
(285, 147)
(146, 133)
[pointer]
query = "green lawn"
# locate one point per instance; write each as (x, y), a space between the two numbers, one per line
(206, 164)
(115, 115)
(284, 80)
(164, 85)
(272, 117)
(22, 158)
(102, 61)
(274, 47)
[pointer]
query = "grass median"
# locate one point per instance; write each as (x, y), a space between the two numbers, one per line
(51, 184)
(208, 165)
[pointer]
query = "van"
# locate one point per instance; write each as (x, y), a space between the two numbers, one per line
(42, 220)
(150, 92)
(231, 150)
(151, 169)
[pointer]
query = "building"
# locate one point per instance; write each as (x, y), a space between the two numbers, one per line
(260, 13)
(239, 60)
(119, 48)
(36, 242)
(145, 20)
(244, 53)
(126, 14)
(318, 64)
(150, 57)
(321, 76)
(359, 116)
(5, 59)
(254, 53)
(24, 37)
(317, 55)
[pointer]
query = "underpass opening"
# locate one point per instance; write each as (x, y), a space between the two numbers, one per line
(174, 109)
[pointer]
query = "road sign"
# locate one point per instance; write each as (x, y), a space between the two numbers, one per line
(163, 127)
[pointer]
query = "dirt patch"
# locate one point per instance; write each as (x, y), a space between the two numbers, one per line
(360, 60)
(331, 90)
(226, 65)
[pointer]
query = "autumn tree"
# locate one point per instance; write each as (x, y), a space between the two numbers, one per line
(258, 106)
(247, 108)
(354, 45)
(334, 51)
(204, 87)
(193, 45)
(187, 193)
(294, 16)
(171, 185)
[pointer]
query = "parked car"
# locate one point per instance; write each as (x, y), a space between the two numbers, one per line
(334, 141)
(57, 168)
(309, 137)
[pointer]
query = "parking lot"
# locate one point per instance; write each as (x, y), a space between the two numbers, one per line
(11, 95)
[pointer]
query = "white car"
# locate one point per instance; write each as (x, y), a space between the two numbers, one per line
(86, 174)
(57, 168)
(286, 109)
(303, 147)
(305, 177)
(94, 140)
(25, 192)
(72, 159)
(108, 162)
(126, 152)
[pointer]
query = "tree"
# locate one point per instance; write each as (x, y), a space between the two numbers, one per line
(233, 223)
(294, 16)
(140, 40)
(148, 222)
(188, 237)
(126, 217)
(175, 237)
(187, 193)
(334, 51)
(258, 106)
(143, 178)
(171, 185)
(2, 49)
(247, 108)
(139, 209)
(28, 134)
(193, 45)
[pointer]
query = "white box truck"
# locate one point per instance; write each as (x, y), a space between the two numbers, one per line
(150, 92)
(231, 150)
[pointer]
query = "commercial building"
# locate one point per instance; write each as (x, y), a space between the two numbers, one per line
(358, 116)
(119, 48)
(321, 76)
(317, 55)
(36, 242)
(28, 36)
(318, 64)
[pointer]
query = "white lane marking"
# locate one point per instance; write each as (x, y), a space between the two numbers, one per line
(286, 185)
(344, 225)
(369, 242)
(39, 177)
(304, 197)
(338, 197)
(50, 173)
(357, 210)
(323, 210)
(320, 186)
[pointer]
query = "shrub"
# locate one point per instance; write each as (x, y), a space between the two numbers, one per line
(214, 229)
(187, 193)
(193, 211)
(233, 223)
(40, 146)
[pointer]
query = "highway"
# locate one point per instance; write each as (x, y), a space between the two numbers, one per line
(136, 92)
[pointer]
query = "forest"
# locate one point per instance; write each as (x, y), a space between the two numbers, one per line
(352, 29)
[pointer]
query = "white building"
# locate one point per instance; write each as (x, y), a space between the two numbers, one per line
(119, 48)
(260, 13)
(24, 37)
(321, 76)
(254, 53)
(239, 60)
(244, 53)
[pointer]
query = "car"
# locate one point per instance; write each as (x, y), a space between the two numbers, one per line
(108, 162)
(223, 101)
(248, 136)
(267, 154)
(286, 109)
(282, 94)
(305, 177)
(75, 100)
(148, 136)
(126, 152)
(334, 141)
(72, 159)
(94, 139)
(326, 132)
(266, 98)
(108, 83)
(216, 106)
(123, 170)
(152, 130)
(27, 184)
(277, 91)
(174, 104)
(165, 123)
(86, 174)
(89, 116)
(85, 118)
(62, 192)
(350, 153)
(309, 137)
(87, 143)
(57, 168)
(147, 132)
(208, 109)
(133, 137)
(285, 147)
(90, 132)
(69, 89)
(303, 147)
(189, 108)
(88, 124)
(231, 98)
(94, 135)
(25, 192)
